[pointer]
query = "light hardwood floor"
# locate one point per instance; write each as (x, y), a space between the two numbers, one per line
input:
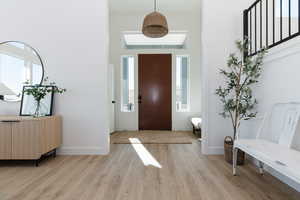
(186, 174)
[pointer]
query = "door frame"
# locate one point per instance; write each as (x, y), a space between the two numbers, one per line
(111, 97)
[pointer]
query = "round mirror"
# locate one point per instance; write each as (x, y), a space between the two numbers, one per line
(20, 64)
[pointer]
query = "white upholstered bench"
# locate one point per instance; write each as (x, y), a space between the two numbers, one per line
(275, 144)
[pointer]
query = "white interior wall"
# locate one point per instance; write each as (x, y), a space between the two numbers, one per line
(279, 81)
(72, 38)
(221, 25)
(178, 22)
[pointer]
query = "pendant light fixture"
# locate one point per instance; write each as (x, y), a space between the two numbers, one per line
(155, 24)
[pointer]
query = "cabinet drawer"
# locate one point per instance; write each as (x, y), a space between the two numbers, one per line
(5, 141)
(26, 140)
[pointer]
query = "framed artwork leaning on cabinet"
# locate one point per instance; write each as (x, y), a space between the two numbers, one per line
(31, 107)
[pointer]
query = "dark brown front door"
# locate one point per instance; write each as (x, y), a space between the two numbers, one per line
(155, 91)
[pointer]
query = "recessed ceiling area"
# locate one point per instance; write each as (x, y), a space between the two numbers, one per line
(136, 40)
(121, 6)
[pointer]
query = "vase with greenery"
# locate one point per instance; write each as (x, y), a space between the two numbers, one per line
(236, 95)
(39, 91)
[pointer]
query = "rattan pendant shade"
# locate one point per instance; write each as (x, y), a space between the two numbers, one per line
(155, 24)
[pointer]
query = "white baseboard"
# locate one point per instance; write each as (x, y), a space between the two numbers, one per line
(182, 129)
(124, 130)
(82, 151)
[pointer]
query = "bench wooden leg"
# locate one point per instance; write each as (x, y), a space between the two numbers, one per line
(234, 163)
(261, 167)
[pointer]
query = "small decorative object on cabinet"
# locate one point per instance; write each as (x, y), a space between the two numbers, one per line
(37, 107)
(236, 95)
(37, 100)
(28, 138)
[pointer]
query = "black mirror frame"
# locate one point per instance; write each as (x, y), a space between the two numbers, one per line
(39, 57)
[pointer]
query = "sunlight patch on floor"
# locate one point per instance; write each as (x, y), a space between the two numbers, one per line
(143, 153)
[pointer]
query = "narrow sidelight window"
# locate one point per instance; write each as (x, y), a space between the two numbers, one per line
(182, 84)
(127, 84)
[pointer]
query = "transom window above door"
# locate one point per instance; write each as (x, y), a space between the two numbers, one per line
(136, 40)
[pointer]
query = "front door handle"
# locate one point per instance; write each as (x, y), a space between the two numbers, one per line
(140, 99)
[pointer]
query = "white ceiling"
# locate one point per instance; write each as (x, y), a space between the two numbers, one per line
(124, 6)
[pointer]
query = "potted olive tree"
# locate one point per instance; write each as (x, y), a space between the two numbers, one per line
(241, 74)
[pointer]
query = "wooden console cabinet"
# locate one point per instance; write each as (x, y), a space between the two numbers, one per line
(28, 138)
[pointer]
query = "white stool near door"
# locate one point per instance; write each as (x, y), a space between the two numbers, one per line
(197, 125)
